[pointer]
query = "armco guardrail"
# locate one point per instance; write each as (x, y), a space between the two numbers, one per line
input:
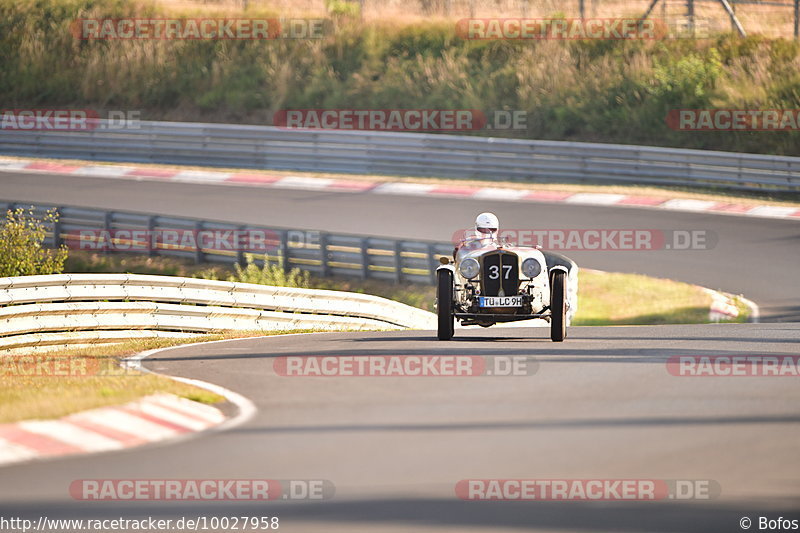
(407, 154)
(321, 253)
(37, 310)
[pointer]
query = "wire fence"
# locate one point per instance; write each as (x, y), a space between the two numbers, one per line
(775, 18)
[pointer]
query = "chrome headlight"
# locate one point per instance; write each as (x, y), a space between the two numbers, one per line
(469, 268)
(531, 267)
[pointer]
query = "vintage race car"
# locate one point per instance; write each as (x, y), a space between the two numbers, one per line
(492, 282)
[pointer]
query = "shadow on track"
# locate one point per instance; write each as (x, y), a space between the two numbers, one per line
(527, 425)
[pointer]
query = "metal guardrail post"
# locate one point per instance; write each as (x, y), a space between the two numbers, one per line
(364, 258)
(398, 261)
(432, 262)
(199, 256)
(57, 240)
(108, 217)
(323, 250)
(797, 19)
(283, 250)
(152, 239)
(239, 248)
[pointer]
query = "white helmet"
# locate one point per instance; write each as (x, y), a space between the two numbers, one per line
(486, 223)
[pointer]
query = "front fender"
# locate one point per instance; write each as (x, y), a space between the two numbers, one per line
(451, 268)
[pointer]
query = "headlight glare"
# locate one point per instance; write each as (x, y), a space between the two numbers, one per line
(469, 268)
(531, 267)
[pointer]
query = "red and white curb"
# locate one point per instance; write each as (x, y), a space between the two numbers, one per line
(723, 306)
(210, 177)
(155, 418)
(151, 419)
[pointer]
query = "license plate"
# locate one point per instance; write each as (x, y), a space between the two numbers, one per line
(500, 301)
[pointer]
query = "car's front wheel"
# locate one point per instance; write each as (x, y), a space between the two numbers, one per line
(444, 305)
(558, 306)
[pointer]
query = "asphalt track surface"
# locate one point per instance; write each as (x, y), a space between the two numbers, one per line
(758, 258)
(602, 405)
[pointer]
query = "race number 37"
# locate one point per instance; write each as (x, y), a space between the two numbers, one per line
(494, 271)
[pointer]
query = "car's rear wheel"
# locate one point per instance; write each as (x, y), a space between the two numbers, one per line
(558, 306)
(444, 305)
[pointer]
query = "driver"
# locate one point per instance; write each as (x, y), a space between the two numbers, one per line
(486, 228)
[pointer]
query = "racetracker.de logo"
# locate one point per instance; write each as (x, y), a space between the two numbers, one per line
(49, 119)
(404, 366)
(201, 489)
(558, 29)
(124, 240)
(713, 366)
(594, 239)
(67, 119)
(587, 489)
(197, 28)
(47, 366)
(382, 119)
(734, 119)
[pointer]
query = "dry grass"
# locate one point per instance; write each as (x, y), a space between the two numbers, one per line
(56, 384)
(609, 298)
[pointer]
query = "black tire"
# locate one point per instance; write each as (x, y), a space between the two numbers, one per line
(444, 305)
(558, 306)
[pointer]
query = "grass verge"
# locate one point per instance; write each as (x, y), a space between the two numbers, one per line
(56, 384)
(612, 298)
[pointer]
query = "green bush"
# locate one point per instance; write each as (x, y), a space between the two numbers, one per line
(343, 8)
(22, 251)
(268, 274)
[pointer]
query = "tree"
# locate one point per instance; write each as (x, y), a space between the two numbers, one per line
(22, 250)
